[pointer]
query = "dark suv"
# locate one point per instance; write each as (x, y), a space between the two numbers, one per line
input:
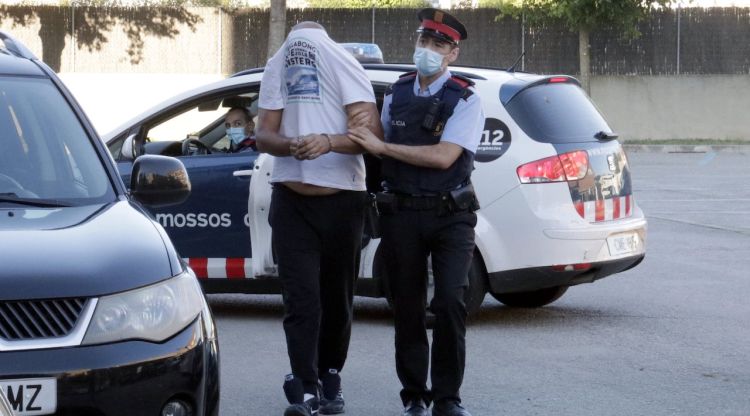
(98, 313)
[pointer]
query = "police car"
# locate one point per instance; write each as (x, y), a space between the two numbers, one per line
(98, 314)
(552, 179)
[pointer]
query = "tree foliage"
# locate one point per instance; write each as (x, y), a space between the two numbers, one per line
(620, 15)
(360, 4)
(92, 24)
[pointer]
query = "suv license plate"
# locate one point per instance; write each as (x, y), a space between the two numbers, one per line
(622, 244)
(31, 396)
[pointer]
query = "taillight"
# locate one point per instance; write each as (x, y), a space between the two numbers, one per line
(575, 164)
(570, 166)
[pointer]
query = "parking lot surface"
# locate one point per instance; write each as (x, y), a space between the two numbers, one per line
(670, 337)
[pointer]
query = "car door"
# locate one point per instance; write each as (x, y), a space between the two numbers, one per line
(210, 229)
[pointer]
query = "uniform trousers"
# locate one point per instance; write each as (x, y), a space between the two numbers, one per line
(316, 242)
(409, 237)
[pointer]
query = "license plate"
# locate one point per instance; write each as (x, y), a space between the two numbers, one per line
(31, 396)
(622, 244)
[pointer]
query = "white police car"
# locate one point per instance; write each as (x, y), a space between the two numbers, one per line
(552, 179)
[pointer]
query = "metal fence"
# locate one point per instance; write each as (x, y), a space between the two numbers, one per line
(210, 40)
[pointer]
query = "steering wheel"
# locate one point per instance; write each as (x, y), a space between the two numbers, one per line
(10, 185)
(192, 146)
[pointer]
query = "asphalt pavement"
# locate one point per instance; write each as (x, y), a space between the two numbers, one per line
(670, 337)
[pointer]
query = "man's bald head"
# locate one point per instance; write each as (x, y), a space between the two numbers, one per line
(308, 25)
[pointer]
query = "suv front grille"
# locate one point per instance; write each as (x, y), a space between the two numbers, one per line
(35, 319)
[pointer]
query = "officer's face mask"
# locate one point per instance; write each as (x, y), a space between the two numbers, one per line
(428, 62)
(236, 134)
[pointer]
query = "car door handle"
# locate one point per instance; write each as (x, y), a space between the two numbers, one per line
(238, 173)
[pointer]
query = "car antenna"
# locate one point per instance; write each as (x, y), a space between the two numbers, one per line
(513, 67)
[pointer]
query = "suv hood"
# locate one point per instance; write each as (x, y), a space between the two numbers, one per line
(79, 251)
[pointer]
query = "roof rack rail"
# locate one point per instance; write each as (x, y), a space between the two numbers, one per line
(16, 47)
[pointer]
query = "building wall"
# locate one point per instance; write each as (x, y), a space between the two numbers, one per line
(671, 107)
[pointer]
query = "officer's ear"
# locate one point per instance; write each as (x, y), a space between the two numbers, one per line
(453, 55)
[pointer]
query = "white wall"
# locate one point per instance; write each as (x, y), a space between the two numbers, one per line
(669, 107)
(111, 99)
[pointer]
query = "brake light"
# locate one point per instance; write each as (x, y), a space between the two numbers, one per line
(558, 79)
(575, 164)
(570, 166)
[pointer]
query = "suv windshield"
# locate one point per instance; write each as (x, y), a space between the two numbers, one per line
(46, 154)
(556, 113)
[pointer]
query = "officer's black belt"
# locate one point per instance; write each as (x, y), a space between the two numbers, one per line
(418, 202)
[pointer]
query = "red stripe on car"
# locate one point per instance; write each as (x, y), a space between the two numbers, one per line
(599, 216)
(616, 207)
(236, 268)
(627, 205)
(199, 266)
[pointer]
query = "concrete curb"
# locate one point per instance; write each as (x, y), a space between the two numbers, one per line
(688, 148)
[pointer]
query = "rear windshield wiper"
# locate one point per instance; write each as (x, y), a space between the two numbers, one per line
(33, 202)
(603, 135)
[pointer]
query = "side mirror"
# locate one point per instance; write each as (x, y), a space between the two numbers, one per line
(159, 181)
(129, 150)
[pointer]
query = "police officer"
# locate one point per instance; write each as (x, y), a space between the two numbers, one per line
(432, 121)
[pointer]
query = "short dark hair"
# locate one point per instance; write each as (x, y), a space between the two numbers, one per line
(248, 114)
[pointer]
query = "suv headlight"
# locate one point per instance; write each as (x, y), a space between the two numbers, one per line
(152, 313)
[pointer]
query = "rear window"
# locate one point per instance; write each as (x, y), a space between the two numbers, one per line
(46, 153)
(556, 113)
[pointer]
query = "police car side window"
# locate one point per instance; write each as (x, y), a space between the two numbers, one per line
(379, 88)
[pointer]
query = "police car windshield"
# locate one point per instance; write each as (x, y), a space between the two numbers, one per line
(46, 157)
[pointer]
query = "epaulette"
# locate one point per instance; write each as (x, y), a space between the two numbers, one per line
(462, 80)
(407, 77)
(403, 78)
(462, 84)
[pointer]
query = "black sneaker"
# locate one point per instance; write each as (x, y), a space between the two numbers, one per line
(300, 403)
(449, 408)
(416, 408)
(331, 395)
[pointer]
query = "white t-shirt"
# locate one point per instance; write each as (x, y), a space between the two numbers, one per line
(312, 78)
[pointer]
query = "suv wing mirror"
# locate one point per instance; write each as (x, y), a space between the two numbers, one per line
(159, 181)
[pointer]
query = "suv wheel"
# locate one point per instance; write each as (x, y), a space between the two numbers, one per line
(531, 299)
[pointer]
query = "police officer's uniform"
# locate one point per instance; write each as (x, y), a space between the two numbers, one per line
(427, 211)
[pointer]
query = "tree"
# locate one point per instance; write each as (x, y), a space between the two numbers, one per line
(93, 23)
(276, 26)
(359, 4)
(582, 16)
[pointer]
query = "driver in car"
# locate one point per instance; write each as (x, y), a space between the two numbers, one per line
(240, 130)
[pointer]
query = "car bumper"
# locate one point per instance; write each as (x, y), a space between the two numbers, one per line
(550, 232)
(128, 378)
(535, 278)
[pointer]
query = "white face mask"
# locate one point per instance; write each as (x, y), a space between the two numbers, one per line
(428, 62)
